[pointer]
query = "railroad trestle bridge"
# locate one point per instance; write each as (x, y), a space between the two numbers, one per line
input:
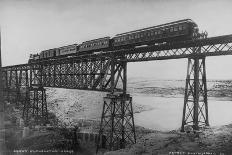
(24, 84)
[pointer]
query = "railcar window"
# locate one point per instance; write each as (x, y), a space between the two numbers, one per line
(184, 27)
(144, 34)
(171, 29)
(175, 28)
(180, 27)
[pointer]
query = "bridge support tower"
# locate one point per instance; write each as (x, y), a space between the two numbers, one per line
(35, 106)
(117, 120)
(195, 111)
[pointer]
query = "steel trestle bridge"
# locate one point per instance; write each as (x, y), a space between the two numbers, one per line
(24, 84)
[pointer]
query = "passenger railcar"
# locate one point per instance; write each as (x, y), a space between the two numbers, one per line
(96, 44)
(48, 53)
(179, 30)
(67, 50)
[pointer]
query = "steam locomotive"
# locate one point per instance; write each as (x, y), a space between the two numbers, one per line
(180, 30)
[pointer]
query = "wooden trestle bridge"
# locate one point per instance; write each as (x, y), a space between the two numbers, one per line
(24, 84)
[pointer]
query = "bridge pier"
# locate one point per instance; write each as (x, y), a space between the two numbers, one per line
(195, 110)
(117, 121)
(35, 106)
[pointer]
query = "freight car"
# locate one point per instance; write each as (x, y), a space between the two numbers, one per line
(168, 33)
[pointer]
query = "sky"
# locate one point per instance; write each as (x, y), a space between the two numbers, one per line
(30, 26)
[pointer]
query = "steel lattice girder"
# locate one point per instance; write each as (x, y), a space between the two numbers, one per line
(209, 47)
(79, 75)
(88, 75)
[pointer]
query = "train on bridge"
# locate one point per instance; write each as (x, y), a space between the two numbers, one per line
(180, 30)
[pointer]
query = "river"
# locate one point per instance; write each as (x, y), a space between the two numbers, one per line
(166, 113)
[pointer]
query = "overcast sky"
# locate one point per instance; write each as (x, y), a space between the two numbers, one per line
(29, 26)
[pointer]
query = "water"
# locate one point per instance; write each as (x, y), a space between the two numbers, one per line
(167, 112)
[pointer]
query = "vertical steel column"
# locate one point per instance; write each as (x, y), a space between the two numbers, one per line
(17, 88)
(54, 74)
(112, 74)
(26, 103)
(195, 110)
(196, 94)
(124, 77)
(205, 93)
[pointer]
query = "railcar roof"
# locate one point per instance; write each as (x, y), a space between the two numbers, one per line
(96, 39)
(69, 45)
(161, 25)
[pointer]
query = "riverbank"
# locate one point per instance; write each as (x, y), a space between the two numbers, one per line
(214, 140)
(71, 105)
